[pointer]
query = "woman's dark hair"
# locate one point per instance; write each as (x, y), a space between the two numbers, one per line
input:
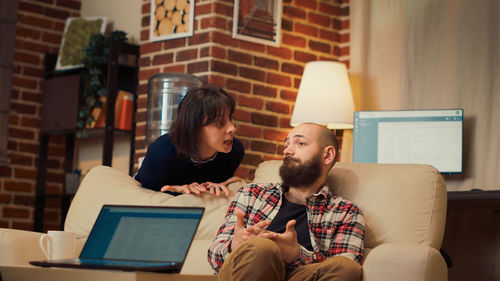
(200, 107)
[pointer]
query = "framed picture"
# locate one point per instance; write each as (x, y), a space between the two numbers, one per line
(76, 37)
(257, 21)
(171, 19)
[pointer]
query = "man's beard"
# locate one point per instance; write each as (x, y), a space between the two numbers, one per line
(300, 174)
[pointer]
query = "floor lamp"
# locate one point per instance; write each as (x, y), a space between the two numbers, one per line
(325, 98)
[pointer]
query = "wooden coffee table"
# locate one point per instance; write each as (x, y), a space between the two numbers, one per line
(32, 273)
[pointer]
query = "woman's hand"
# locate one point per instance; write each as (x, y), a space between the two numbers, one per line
(216, 188)
(195, 188)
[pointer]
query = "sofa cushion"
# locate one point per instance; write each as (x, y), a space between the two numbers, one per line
(403, 203)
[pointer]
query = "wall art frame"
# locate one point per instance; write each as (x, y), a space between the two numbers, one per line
(171, 19)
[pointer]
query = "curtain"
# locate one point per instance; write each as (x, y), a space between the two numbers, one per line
(429, 54)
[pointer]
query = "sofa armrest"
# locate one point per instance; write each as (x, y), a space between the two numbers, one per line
(399, 261)
(18, 247)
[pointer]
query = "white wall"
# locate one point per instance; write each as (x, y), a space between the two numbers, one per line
(122, 15)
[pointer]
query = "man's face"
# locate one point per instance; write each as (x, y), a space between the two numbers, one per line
(303, 157)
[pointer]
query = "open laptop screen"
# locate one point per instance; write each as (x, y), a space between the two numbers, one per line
(142, 233)
(433, 137)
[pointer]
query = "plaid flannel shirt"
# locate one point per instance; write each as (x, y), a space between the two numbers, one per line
(336, 225)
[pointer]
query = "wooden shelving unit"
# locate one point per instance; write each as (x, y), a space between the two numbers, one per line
(60, 113)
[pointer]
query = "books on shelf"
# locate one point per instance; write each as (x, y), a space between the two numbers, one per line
(124, 107)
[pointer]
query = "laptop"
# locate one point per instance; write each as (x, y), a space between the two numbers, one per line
(137, 238)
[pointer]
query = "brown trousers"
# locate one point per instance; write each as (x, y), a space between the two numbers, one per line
(260, 259)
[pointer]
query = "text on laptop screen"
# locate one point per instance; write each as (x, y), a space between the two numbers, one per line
(142, 234)
(432, 137)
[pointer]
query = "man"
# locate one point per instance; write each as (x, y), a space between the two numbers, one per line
(295, 230)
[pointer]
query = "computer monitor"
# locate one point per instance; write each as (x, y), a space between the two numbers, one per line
(432, 137)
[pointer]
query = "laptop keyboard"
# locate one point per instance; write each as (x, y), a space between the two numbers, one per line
(124, 263)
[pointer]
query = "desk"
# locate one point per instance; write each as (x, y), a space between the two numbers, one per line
(32, 273)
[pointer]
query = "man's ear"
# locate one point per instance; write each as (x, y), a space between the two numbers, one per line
(328, 155)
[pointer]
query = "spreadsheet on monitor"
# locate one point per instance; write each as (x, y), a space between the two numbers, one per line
(433, 137)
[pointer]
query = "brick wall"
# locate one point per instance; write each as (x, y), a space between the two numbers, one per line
(263, 80)
(39, 30)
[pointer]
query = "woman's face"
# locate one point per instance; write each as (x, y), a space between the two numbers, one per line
(217, 137)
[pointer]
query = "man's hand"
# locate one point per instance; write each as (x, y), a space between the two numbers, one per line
(195, 188)
(287, 241)
(242, 234)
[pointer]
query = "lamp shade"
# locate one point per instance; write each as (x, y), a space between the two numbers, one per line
(324, 96)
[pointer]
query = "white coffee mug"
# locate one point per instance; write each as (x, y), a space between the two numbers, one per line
(58, 244)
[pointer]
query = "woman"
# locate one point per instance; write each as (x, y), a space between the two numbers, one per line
(199, 153)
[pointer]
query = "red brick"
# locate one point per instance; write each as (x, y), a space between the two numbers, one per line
(306, 4)
(218, 52)
(293, 12)
(319, 46)
(30, 33)
(251, 159)
(5, 198)
(329, 35)
(278, 107)
(214, 22)
(286, 25)
(328, 9)
(23, 225)
(216, 80)
(268, 157)
(249, 131)
(205, 52)
(222, 9)
(252, 46)
(72, 4)
(150, 47)
(277, 79)
(304, 57)
(175, 68)
(276, 135)
(5, 171)
(292, 40)
(264, 119)
(242, 115)
(146, 74)
(223, 39)
(56, 13)
(281, 52)
(34, 21)
(340, 24)
(28, 147)
(13, 212)
(296, 82)
(292, 68)
(24, 200)
(285, 122)
(263, 146)
(241, 172)
(145, 61)
(264, 91)
(318, 19)
(33, 71)
(257, 103)
(146, 7)
(30, 122)
(31, 46)
(21, 133)
(238, 85)
(202, 9)
(288, 95)
(306, 29)
(266, 63)
(281, 148)
(27, 58)
(194, 67)
(224, 67)
(252, 73)
(144, 35)
(186, 55)
(239, 57)
(163, 59)
(29, 7)
(344, 11)
(199, 38)
(338, 51)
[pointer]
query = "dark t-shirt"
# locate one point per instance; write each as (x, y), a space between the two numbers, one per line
(164, 166)
(291, 211)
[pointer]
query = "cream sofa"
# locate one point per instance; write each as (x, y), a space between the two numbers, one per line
(404, 208)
